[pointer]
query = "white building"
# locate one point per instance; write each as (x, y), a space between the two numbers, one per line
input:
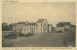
(63, 26)
(28, 27)
(18, 26)
(59, 28)
(41, 26)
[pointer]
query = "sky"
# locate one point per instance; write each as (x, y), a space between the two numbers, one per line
(53, 12)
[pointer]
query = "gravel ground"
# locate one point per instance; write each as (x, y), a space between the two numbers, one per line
(42, 40)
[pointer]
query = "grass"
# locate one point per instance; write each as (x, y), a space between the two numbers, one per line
(43, 40)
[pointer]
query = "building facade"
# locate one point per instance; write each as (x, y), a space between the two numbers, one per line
(64, 27)
(41, 26)
(50, 28)
(28, 27)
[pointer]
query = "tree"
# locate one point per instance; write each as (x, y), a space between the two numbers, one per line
(5, 27)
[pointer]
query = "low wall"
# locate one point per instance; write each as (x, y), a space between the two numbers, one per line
(4, 33)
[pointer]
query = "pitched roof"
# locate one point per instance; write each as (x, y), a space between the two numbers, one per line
(65, 23)
(12, 24)
(23, 22)
(61, 24)
(30, 24)
(72, 25)
(40, 20)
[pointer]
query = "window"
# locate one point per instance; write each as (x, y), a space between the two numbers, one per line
(36, 27)
(44, 25)
(30, 27)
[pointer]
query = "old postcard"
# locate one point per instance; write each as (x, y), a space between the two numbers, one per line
(38, 25)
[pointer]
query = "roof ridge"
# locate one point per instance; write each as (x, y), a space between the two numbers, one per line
(40, 20)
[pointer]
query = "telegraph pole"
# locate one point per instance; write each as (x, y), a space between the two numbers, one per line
(15, 29)
(15, 24)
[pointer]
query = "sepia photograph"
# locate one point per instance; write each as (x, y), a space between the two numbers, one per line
(38, 24)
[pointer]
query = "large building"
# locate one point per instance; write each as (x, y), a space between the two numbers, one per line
(64, 26)
(28, 27)
(41, 26)
(18, 26)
